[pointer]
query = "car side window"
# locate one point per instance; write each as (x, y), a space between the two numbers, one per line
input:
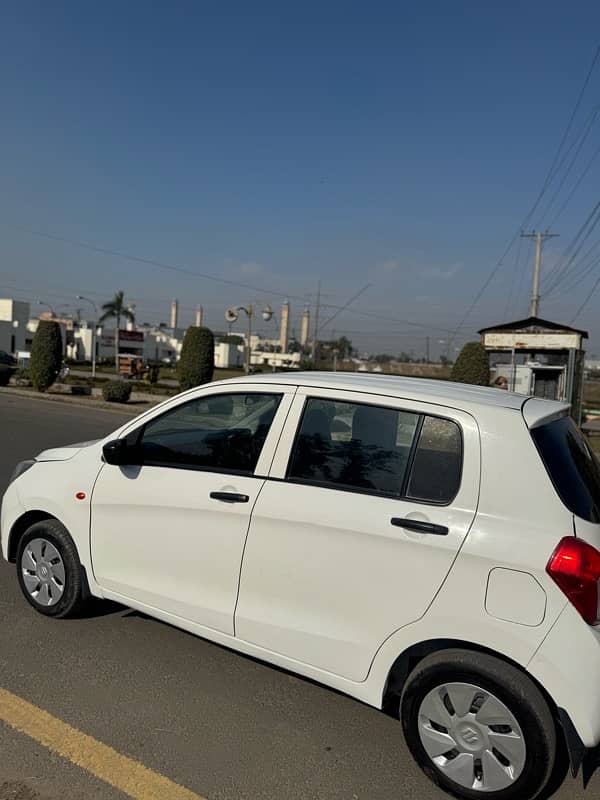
(353, 446)
(377, 450)
(224, 432)
(436, 471)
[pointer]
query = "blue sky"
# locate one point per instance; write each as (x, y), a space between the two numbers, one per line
(392, 144)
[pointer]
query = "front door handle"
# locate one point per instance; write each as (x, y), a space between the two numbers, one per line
(229, 497)
(418, 526)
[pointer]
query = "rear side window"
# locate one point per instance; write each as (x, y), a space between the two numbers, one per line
(436, 470)
(571, 465)
(377, 450)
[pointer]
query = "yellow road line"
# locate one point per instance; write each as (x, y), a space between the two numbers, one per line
(125, 774)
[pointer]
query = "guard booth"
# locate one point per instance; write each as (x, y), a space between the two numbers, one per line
(538, 357)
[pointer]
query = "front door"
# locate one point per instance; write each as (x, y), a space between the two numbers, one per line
(354, 534)
(169, 530)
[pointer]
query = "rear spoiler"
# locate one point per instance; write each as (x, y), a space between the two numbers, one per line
(538, 412)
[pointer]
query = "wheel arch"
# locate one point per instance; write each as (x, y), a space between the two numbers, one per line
(21, 525)
(413, 655)
(406, 662)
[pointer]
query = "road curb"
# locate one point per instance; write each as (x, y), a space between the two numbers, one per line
(121, 408)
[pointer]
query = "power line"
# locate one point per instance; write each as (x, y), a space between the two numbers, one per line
(586, 267)
(549, 177)
(343, 308)
(586, 301)
(522, 273)
(571, 118)
(582, 139)
(184, 270)
(559, 273)
(514, 277)
(575, 187)
(152, 262)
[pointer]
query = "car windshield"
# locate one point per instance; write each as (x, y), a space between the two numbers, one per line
(572, 466)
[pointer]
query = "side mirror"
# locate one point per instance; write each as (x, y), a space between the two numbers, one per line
(117, 452)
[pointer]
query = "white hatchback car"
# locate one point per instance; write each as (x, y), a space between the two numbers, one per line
(426, 547)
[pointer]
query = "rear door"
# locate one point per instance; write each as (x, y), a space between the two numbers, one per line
(368, 502)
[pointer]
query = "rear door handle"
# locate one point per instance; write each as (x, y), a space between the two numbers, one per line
(418, 526)
(229, 497)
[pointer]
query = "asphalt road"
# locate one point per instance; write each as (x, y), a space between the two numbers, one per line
(225, 726)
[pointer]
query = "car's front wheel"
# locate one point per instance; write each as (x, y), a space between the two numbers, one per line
(478, 726)
(48, 569)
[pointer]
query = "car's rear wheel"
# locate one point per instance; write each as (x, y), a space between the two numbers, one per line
(478, 726)
(48, 569)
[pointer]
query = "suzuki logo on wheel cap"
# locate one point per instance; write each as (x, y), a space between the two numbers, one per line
(470, 736)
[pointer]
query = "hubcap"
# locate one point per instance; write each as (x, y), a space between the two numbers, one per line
(43, 572)
(471, 737)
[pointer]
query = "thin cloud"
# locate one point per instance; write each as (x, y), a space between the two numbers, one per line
(444, 273)
(251, 268)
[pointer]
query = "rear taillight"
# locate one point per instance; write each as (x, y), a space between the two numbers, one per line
(575, 568)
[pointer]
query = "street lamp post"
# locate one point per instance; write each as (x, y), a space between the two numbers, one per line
(232, 314)
(42, 303)
(95, 322)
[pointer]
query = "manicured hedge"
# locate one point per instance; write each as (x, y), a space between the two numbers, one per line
(116, 391)
(472, 365)
(46, 355)
(197, 361)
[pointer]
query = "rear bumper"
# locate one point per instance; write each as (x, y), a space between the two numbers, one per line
(567, 665)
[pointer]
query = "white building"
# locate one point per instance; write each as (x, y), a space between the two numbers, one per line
(14, 315)
(264, 358)
(229, 356)
(162, 344)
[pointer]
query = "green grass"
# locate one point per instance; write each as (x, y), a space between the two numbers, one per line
(222, 374)
(591, 394)
(594, 443)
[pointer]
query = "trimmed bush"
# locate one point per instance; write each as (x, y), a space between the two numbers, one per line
(22, 376)
(197, 362)
(472, 365)
(116, 391)
(46, 355)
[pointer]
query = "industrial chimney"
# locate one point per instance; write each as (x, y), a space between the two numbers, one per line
(199, 315)
(284, 328)
(304, 327)
(174, 313)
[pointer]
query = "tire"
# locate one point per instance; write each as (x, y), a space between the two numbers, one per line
(55, 566)
(511, 757)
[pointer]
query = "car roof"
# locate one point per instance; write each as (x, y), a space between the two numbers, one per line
(427, 389)
(467, 397)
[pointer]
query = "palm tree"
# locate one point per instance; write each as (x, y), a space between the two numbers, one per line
(116, 308)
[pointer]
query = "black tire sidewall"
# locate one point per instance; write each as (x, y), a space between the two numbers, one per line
(55, 533)
(540, 752)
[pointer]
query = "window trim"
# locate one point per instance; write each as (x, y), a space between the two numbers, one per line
(402, 496)
(137, 434)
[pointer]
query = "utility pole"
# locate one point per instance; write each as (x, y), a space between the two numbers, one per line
(316, 333)
(427, 349)
(535, 289)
